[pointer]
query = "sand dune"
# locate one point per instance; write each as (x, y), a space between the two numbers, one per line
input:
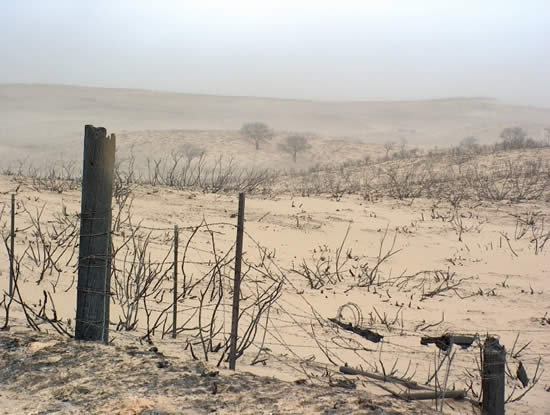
(476, 267)
(42, 115)
(496, 287)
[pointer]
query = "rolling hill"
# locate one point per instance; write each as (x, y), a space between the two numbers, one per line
(36, 119)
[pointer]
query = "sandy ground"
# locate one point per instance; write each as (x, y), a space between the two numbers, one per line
(501, 288)
(60, 376)
(46, 119)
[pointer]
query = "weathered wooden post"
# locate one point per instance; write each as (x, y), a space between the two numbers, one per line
(237, 284)
(94, 261)
(492, 382)
(12, 245)
(175, 306)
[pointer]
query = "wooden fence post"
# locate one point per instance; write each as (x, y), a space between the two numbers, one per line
(492, 382)
(175, 306)
(94, 261)
(237, 284)
(12, 245)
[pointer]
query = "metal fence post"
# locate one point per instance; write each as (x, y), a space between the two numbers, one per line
(12, 246)
(175, 306)
(237, 284)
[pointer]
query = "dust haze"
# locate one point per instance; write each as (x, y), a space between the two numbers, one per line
(395, 162)
(325, 64)
(359, 50)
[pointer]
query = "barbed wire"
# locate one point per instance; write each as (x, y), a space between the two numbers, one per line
(293, 325)
(139, 335)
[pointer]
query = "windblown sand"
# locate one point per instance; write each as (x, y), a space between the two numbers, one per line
(503, 291)
(493, 279)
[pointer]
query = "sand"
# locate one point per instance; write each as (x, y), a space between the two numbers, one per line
(490, 279)
(501, 289)
(72, 378)
(39, 120)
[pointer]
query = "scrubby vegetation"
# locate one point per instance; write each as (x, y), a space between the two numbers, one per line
(517, 168)
(455, 181)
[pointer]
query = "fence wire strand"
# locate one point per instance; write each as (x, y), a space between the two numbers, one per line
(286, 320)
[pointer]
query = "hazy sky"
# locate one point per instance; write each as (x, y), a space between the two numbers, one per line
(335, 50)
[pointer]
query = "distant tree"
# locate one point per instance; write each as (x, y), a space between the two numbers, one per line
(388, 146)
(403, 144)
(257, 132)
(513, 138)
(469, 142)
(192, 151)
(547, 135)
(294, 144)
